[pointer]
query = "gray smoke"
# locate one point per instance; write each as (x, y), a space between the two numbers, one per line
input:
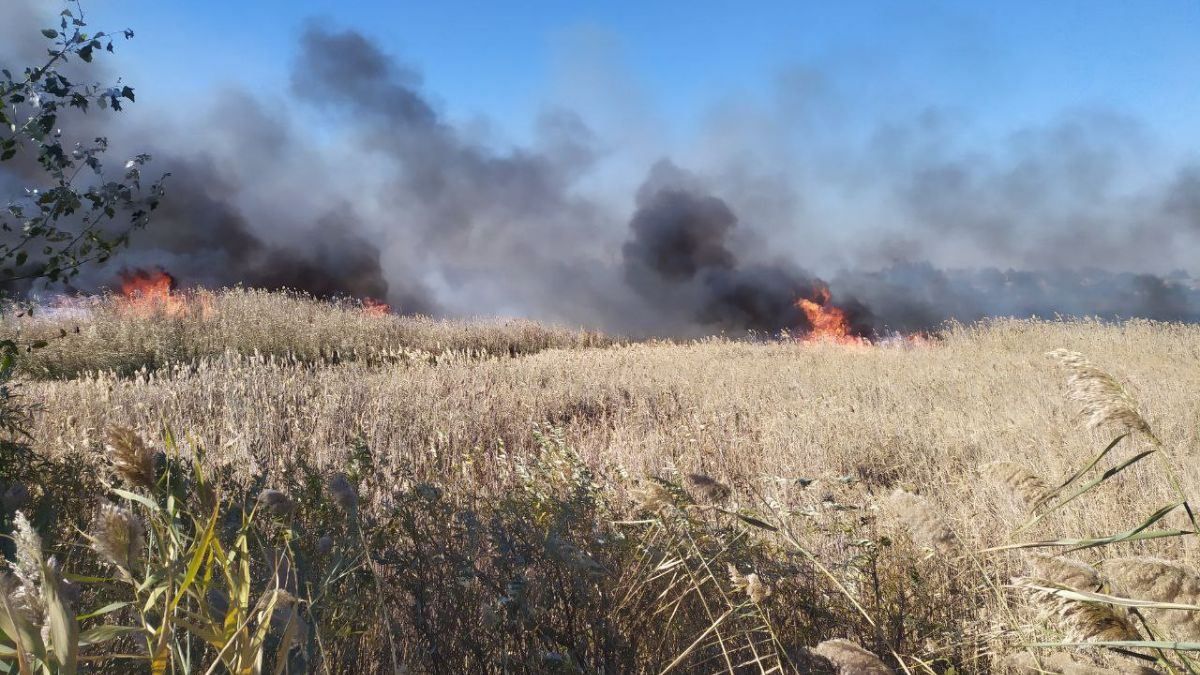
(679, 260)
(911, 225)
(916, 296)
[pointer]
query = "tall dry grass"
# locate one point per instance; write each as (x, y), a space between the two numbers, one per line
(854, 490)
(111, 334)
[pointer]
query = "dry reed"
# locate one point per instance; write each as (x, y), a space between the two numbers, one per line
(1157, 580)
(1067, 664)
(923, 522)
(851, 659)
(1080, 621)
(1018, 480)
(447, 432)
(130, 456)
(1101, 398)
(119, 537)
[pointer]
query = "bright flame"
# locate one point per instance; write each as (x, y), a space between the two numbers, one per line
(151, 292)
(828, 321)
(373, 307)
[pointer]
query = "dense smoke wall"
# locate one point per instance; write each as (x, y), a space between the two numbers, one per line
(678, 258)
(910, 224)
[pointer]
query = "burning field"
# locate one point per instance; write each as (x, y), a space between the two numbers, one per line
(518, 484)
(150, 322)
(795, 386)
(148, 293)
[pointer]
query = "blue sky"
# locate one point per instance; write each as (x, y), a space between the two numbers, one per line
(1002, 64)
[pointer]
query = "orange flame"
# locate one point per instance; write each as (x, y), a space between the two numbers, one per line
(150, 292)
(373, 307)
(828, 321)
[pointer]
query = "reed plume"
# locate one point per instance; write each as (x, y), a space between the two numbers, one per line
(1018, 480)
(119, 537)
(277, 503)
(1065, 572)
(704, 489)
(652, 496)
(343, 492)
(1159, 580)
(1102, 400)
(925, 525)
(850, 659)
(28, 545)
(1081, 621)
(751, 584)
(1068, 664)
(130, 457)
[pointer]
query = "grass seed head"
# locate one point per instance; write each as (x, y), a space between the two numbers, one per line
(923, 522)
(1018, 480)
(1159, 580)
(1102, 400)
(706, 490)
(277, 503)
(850, 659)
(652, 496)
(119, 537)
(1065, 572)
(130, 456)
(1081, 621)
(343, 492)
(28, 545)
(754, 587)
(1068, 664)
(575, 557)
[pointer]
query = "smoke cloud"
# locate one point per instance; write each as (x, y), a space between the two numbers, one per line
(678, 258)
(909, 224)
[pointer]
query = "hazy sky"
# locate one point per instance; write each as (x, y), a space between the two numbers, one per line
(1003, 65)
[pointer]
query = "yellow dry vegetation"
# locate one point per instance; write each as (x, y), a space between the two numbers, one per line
(825, 434)
(923, 417)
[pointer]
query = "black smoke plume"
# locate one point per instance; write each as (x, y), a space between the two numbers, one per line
(679, 259)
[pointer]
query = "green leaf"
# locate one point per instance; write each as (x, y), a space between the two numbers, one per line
(1138, 533)
(111, 607)
(1082, 596)
(1050, 495)
(750, 520)
(144, 501)
(64, 630)
(100, 634)
(203, 547)
(1103, 477)
(50, 33)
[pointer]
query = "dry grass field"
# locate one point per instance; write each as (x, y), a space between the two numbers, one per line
(456, 497)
